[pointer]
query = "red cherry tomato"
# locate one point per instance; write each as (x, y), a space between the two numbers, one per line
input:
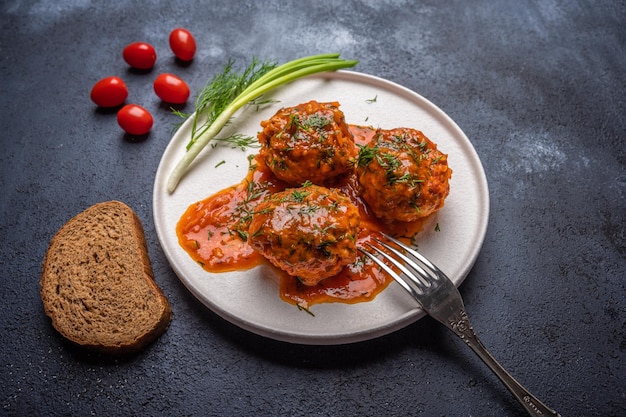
(171, 89)
(140, 55)
(183, 44)
(134, 119)
(109, 92)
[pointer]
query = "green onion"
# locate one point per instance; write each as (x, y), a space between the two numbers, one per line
(256, 84)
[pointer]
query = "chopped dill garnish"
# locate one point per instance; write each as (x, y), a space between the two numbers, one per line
(303, 308)
(240, 141)
(299, 195)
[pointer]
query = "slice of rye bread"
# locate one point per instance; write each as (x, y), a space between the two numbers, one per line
(97, 283)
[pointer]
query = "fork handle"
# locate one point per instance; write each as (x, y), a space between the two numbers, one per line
(462, 327)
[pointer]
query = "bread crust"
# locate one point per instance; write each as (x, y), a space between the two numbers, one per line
(97, 284)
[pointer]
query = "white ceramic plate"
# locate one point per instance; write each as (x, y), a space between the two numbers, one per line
(250, 299)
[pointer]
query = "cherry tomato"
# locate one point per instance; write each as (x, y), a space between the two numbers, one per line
(134, 119)
(183, 44)
(109, 92)
(171, 89)
(140, 55)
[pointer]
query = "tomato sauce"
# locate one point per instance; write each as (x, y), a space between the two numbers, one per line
(214, 233)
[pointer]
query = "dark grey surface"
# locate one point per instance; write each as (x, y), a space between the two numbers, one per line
(538, 87)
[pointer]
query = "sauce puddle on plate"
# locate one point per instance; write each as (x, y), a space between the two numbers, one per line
(213, 232)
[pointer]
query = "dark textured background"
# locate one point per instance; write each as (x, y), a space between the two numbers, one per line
(539, 88)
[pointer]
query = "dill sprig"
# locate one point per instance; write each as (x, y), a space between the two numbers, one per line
(240, 141)
(219, 93)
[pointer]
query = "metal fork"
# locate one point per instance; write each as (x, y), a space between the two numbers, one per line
(440, 299)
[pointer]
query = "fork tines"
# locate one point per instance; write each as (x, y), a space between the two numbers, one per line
(417, 272)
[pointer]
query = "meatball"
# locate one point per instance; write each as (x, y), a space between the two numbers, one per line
(402, 175)
(308, 142)
(310, 231)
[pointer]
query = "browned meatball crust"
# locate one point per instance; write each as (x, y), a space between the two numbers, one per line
(402, 175)
(308, 142)
(310, 231)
